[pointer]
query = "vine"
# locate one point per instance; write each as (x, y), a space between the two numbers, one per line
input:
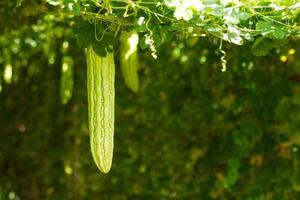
(264, 25)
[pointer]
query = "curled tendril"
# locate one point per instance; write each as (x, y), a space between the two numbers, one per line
(149, 38)
(103, 33)
(223, 58)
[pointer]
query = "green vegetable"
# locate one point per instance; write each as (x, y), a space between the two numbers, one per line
(101, 103)
(1, 81)
(129, 59)
(66, 80)
(8, 68)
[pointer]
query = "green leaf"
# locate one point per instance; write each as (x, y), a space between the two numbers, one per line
(157, 37)
(233, 35)
(264, 26)
(102, 41)
(72, 6)
(84, 34)
(272, 30)
(215, 10)
(99, 50)
(105, 44)
(281, 32)
(279, 43)
(242, 15)
(261, 47)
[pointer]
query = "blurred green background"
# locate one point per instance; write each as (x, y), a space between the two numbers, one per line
(191, 132)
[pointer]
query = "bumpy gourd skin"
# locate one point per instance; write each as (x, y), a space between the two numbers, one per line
(101, 103)
(129, 59)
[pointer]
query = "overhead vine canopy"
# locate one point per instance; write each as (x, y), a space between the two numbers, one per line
(263, 24)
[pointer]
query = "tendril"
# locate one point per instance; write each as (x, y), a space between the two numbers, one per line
(103, 33)
(223, 58)
(149, 39)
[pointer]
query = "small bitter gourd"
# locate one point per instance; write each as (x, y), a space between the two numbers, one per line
(66, 80)
(129, 59)
(101, 103)
(8, 68)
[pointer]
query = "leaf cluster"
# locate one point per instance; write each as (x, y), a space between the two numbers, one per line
(260, 23)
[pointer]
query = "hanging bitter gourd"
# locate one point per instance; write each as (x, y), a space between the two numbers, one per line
(8, 68)
(66, 80)
(101, 103)
(129, 59)
(0, 78)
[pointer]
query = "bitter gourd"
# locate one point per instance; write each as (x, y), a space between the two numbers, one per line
(129, 59)
(101, 103)
(66, 80)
